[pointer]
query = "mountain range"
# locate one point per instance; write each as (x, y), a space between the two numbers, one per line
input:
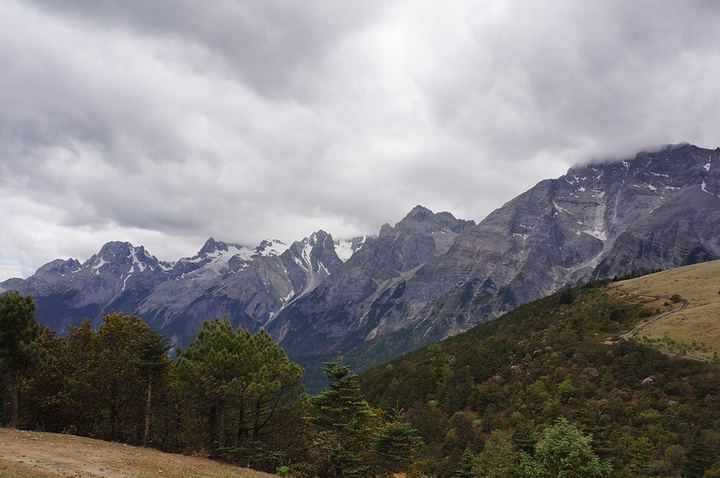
(428, 277)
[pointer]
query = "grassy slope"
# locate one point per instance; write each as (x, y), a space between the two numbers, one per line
(30, 454)
(699, 284)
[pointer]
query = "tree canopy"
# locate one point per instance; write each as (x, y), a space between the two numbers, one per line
(235, 380)
(19, 332)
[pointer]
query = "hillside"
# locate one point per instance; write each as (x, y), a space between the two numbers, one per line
(561, 356)
(31, 454)
(695, 329)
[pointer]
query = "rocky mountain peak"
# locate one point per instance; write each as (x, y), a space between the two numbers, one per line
(211, 245)
(116, 254)
(421, 220)
(317, 252)
(386, 230)
(654, 211)
(59, 266)
(115, 249)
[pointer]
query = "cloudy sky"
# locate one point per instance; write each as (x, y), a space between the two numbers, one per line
(166, 122)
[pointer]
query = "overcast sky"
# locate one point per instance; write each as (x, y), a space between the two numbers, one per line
(166, 122)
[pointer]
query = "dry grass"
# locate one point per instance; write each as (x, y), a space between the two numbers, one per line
(695, 329)
(30, 454)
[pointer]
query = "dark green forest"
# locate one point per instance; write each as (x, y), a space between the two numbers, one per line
(547, 390)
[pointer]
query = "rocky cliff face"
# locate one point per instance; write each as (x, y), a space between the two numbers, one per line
(249, 289)
(656, 211)
(339, 313)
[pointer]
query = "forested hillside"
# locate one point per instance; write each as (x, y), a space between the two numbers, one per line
(482, 400)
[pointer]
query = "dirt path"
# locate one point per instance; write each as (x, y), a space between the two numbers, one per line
(32, 454)
(653, 319)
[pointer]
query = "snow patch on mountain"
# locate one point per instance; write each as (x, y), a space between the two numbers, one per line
(137, 263)
(97, 266)
(343, 249)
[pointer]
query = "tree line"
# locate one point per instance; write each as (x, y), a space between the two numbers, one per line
(230, 395)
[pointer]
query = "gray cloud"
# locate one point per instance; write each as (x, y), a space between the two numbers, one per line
(163, 123)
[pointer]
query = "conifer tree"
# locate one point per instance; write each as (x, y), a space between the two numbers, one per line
(466, 467)
(236, 379)
(343, 418)
(498, 458)
(699, 456)
(118, 389)
(152, 361)
(211, 369)
(18, 349)
(395, 445)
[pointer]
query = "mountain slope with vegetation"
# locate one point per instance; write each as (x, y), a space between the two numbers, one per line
(484, 400)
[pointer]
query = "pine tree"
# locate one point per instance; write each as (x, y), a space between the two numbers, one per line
(466, 467)
(210, 371)
(395, 446)
(18, 349)
(236, 379)
(343, 418)
(117, 384)
(498, 458)
(152, 361)
(699, 456)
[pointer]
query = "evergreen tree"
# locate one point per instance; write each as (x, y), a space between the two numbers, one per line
(118, 389)
(96, 383)
(152, 361)
(210, 370)
(80, 403)
(234, 379)
(699, 456)
(466, 468)
(395, 446)
(498, 458)
(525, 437)
(18, 348)
(272, 387)
(343, 418)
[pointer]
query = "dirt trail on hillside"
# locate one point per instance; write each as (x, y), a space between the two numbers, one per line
(33, 454)
(655, 318)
